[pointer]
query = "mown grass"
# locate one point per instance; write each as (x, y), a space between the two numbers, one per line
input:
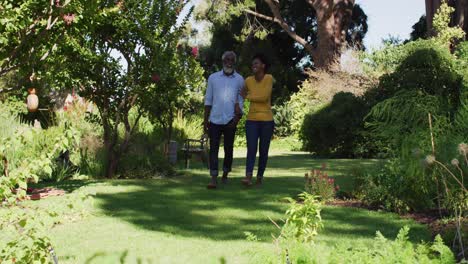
(177, 220)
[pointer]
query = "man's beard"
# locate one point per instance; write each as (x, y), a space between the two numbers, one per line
(228, 70)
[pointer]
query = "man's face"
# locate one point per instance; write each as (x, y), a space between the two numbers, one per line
(229, 61)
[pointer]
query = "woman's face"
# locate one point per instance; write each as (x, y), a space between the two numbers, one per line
(257, 66)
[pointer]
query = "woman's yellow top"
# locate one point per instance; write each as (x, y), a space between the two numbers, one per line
(259, 95)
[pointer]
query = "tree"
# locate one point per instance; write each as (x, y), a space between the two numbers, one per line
(331, 18)
(419, 29)
(114, 57)
(178, 80)
(242, 34)
(29, 32)
(459, 17)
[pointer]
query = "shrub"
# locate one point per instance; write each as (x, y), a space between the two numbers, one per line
(319, 89)
(318, 183)
(429, 68)
(388, 187)
(335, 129)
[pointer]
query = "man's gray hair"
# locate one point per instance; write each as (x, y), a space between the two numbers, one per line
(230, 52)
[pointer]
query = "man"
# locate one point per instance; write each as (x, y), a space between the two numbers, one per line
(223, 105)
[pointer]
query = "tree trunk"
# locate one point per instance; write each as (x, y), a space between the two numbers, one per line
(461, 15)
(325, 53)
(431, 9)
(333, 18)
(112, 162)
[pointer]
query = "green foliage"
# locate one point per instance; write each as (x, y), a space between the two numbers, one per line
(334, 129)
(391, 187)
(382, 250)
(181, 82)
(303, 219)
(241, 139)
(429, 68)
(400, 250)
(29, 154)
(446, 35)
(317, 182)
(283, 117)
(31, 245)
(27, 229)
(406, 115)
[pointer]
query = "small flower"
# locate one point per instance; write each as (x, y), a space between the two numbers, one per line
(68, 18)
(429, 159)
(337, 187)
(155, 77)
(455, 162)
(463, 149)
(195, 52)
(324, 166)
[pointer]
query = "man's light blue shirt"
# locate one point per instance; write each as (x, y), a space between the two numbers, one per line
(222, 94)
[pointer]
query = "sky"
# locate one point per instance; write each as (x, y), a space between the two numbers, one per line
(387, 17)
(390, 17)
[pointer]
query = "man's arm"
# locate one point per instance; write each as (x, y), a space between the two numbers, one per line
(208, 104)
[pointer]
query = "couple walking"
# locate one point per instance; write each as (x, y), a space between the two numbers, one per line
(224, 101)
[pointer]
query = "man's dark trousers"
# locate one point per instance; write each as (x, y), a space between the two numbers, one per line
(215, 131)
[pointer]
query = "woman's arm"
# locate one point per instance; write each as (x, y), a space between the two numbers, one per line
(258, 99)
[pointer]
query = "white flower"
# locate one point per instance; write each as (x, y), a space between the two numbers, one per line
(455, 162)
(430, 159)
(463, 149)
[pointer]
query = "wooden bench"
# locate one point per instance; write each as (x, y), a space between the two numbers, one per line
(198, 147)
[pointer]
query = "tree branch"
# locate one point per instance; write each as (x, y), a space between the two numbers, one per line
(278, 19)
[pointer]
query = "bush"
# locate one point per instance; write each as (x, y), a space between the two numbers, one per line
(335, 129)
(319, 90)
(429, 68)
(427, 81)
(388, 187)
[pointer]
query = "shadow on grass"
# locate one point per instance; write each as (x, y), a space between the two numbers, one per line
(186, 208)
(68, 186)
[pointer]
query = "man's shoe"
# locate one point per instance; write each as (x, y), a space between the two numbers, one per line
(224, 180)
(259, 182)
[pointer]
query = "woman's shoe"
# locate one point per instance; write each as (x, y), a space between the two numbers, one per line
(247, 181)
(213, 184)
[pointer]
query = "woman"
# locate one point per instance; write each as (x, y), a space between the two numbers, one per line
(259, 125)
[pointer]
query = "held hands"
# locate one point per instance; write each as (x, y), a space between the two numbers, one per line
(237, 114)
(243, 92)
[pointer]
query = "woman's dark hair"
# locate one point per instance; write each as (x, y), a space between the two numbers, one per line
(261, 57)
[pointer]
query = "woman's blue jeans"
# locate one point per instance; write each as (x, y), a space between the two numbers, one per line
(258, 131)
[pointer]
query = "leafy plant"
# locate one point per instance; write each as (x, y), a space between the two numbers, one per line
(446, 35)
(303, 218)
(282, 116)
(317, 182)
(26, 229)
(381, 250)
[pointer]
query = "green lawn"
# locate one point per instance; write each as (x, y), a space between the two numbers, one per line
(178, 220)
